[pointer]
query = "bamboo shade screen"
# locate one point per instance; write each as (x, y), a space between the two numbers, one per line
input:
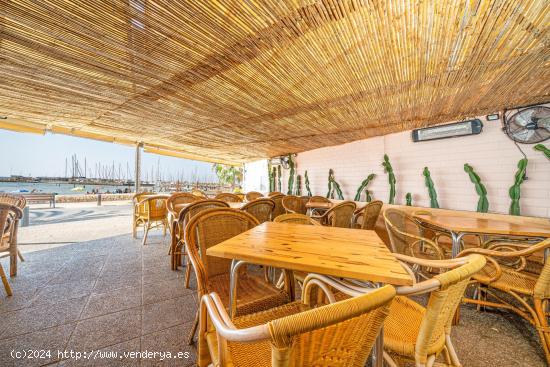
(237, 80)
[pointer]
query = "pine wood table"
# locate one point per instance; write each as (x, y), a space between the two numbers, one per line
(459, 226)
(341, 252)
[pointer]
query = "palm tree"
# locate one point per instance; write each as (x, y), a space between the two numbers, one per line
(228, 175)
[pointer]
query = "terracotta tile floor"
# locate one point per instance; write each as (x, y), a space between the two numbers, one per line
(115, 295)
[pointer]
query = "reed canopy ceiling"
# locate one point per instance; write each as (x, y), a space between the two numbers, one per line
(239, 80)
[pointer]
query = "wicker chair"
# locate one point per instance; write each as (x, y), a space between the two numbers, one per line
(229, 198)
(253, 195)
(507, 273)
(399, 226)
(261, 209)
(19, 202)
(199, 193)
(366, 217)
(413, 333)
(179, 251)
(296, 334)
(8, 244)
(274, 193)
(339, 215)
(294, 205)
(150, 212)
(296, 218)
(209, 228)
(279, 209)
(176, 231)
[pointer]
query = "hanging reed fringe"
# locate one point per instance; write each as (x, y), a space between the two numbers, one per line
(239, 81)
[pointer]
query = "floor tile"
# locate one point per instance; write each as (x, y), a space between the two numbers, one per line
(158, 316)
(112, 301)
(160, 291)
(61, 292)
(172, 340)
(102, 331)
(45, 344)
(41, 317)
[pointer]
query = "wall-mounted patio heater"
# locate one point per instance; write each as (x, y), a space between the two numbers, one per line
(469, 127)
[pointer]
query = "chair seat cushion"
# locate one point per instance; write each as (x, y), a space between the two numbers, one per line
(253, 293)
(510, 280)
(253, 354)
(402, 326)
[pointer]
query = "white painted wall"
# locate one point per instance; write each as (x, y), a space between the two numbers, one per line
(492, 154)
(255, 177)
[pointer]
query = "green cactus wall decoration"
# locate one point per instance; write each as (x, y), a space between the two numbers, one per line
(408, 199)
(363, 186)
(271, 176)
(515, 191)
(368, 196)
(279, 174)
(298, 191)
(291, 164)
(307, 184)
(333, 186)
(391, 178)
(482, 203)
(543, 149)
(431, 188)
(274, 178)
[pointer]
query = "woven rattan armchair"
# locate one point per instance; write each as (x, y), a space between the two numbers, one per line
(253, 195)
(294, 205)
(229, 197)
(507, 272)
(150, 212)
(405, 238)
(261, 209)
(414, 333)
(296, 218)
(19, 202)
(340, 215)
(179, 250)
(8, 244)
(199, 193)
(210, 227)
(315, 212)
(279, 209)
(366, 217)
(174, 200)
(296, 334)
(274, 193)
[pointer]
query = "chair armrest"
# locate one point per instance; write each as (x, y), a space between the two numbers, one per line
(525, 251)
(212, 304)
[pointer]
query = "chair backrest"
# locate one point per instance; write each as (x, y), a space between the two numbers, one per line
(180, 198)
(137, 199)
(15, 200)
(274, 193)
(253, 195)
(443, 303)
(296, 218)
(319, 199)
(366, 217)
(155, 207)
(279, 209)
(229, 197)
(340, 215)
(199, 193)
(198, 206)
(294, 204)
(341, 333)
(398, 225)
(9, 215)
(208, 228)
(261, 209)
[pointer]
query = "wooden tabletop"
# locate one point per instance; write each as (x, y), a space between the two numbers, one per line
(486, 226)
(349, 253)
(319, 205)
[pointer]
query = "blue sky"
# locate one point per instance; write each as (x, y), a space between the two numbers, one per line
(37, 155)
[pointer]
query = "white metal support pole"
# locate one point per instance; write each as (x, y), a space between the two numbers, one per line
(138, 168)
